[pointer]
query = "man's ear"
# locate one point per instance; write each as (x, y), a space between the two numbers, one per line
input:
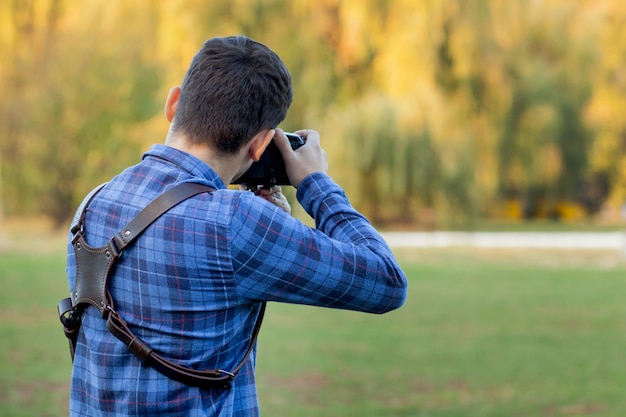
(259, 142)
(172, 103)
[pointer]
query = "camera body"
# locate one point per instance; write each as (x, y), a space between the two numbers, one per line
(270, 168)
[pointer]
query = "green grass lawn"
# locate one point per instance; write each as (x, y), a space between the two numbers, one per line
(35, 364)
(484, 333)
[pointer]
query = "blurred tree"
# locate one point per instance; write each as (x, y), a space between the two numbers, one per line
(443, 107)
(76, 93)
(606, 112)
(544, 144)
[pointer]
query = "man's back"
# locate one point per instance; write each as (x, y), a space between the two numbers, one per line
(175, 288)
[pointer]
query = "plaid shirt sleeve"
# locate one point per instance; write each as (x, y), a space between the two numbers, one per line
(343, 263)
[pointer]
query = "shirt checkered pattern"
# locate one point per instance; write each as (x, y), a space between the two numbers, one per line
(191, 285)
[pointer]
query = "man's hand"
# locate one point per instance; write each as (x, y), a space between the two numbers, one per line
(273, 194)
(305, 160)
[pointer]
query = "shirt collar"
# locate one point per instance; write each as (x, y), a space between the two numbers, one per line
(187, 162)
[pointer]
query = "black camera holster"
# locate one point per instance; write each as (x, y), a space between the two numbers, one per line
(93, 266)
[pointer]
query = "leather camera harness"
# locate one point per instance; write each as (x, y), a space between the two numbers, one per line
(93, 266)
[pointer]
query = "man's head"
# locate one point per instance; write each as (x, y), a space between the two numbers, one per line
(234, 88)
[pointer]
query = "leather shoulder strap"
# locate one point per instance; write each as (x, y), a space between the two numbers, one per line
(94, 275)
(79, 217)
(154, 210)
(93, 264)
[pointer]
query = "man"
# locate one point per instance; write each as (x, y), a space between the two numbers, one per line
(192, 284)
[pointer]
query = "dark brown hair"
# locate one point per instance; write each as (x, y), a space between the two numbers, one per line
(233, 88)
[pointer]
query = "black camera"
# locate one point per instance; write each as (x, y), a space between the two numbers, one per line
(270, 168)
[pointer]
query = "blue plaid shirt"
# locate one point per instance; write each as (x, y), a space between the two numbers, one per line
(192, 284)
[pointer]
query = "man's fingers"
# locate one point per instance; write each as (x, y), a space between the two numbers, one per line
(281, 141)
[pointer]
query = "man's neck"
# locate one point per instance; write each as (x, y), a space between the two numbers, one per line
(226, 166)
